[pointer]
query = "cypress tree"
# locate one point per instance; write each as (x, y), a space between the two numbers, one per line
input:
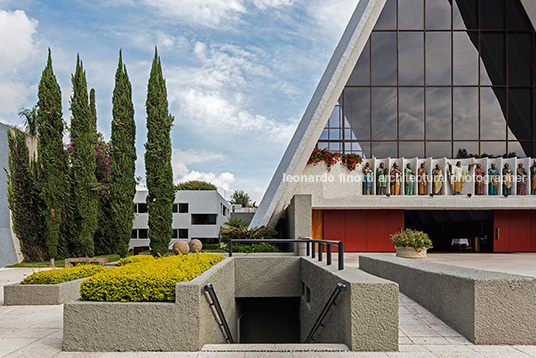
(123, 183)
(24, 200)
(83, 163)
(158, 161)
(52, 157)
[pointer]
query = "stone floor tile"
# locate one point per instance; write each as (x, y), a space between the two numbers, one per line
(404, 340)
(224, 355)
(531, 350)
(459, 340)
(444, 330)
(403, 311)
(34, 333)
(41, 348)
(412, 348)
(430, 340)
(8, 345)
(429, 318)
(419, 330)
(8, 332)
(316, 355)
(426, 354)
(238, 347)
(409, 319)
(417, 310)
(267, 354)
(364, 355)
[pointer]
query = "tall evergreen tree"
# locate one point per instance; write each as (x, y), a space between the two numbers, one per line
(158, 161)
(83, 163)
(123, 183)
(52, 157)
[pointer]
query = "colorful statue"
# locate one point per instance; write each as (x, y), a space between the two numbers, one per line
(437, 178)
(422, 179)
(457, 176)
(533, 179)
(409, 179)
(367, 179)
(479, 180)
(507, 180)
(381, 179)
(396, 175)
(521, 179)
(493, 173)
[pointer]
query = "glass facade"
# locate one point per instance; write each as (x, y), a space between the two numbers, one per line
(438, 78)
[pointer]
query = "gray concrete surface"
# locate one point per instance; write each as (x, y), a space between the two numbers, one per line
(366, 315)
(36, 331)
(17, 294)
(486, 307)
(299, 221)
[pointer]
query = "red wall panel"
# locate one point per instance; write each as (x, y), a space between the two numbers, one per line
(378, 230)
(533, 245)
(501, 237)
(355, 238)
(520, 231)
(334, 225)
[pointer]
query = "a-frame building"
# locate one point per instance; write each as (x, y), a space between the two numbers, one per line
(420, 84)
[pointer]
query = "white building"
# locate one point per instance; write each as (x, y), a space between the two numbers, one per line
(197, 214)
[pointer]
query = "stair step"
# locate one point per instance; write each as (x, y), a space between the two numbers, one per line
(277, 347)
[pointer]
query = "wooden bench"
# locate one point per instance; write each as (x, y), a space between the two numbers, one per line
(86, 260)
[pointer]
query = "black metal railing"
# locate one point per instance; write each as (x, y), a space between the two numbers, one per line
(311, 247)
(320, 320)
(216, 304)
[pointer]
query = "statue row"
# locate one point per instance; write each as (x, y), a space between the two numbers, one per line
(457, 176)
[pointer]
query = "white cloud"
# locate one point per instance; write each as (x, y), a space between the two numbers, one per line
(265, 4)
(332, 16)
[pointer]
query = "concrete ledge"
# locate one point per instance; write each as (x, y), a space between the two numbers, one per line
(184, 325)
(55, 294)
(486, 307)
(366, 315)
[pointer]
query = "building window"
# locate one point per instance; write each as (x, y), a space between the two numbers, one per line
(134, 234)
(224, 211)
(175, 208)
(183, 207)
(204, 219)
(143, 234)
(183, 233)
(142, 208)
(452, 78)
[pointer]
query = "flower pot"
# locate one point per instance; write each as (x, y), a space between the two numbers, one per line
(411, 253)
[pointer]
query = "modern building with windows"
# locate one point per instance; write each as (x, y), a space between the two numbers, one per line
(197, 214)
(419, 82)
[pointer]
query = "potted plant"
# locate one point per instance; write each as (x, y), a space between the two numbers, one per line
(411, 244)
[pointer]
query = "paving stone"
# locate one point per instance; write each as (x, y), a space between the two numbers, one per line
(8, 345)
(419, 330)
(41, 348)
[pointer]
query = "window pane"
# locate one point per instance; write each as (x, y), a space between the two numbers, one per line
(384, 113)
(411, 14)
(335, 134)
(438, 113)
(466, 149)
(465, 58)
(411, 66)
(357, 111)
(383, 58)
(519, 114)
(520, 149)
(465, 14)
(492, 14)
(384, 149)
(439, 149)
(492, 62)
(335, 118)
(493, 149)
(465, 113)
(324, 134)
(361, 73)
(387, 19)
(492, 118)
(411, 113)
(517, 17)
(438, 14)
(335, 146)
(411, 149)
(519, 59)
(438, 58)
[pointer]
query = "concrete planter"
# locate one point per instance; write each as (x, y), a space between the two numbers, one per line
(55, 294)
(411, 253)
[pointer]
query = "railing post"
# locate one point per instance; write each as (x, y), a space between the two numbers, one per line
(313, 252)
(230, 247)
(216, 304)
(329, 254)
(308, 248)
(340, 249)
(320, 248)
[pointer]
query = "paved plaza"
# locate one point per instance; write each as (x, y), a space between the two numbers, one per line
(36, 331)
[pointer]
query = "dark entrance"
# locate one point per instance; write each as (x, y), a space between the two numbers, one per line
(445, 225)
(269, 320)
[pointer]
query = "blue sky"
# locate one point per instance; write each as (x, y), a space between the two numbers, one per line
(239, 73)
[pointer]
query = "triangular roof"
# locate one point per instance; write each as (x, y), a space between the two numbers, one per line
(314, 120)
(316, 115)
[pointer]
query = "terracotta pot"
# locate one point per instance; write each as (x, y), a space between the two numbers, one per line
(411, 253)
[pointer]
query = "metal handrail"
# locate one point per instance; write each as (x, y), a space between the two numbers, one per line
(216, 304)
(331, 302)
(308, 241)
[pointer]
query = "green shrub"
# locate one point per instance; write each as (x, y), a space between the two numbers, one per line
(242, 232)
(412, 238)
(53, 276)
(211, 246)
(195, 185)
(132, 259)
(250, 248)
(148, 280)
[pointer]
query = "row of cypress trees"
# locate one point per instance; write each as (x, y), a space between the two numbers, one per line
(64, 197)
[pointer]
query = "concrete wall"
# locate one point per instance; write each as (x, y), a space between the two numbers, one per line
(366, 315)
(244, 216)
(8, 253)
(486, 307)
(57, 294)
(299, 221)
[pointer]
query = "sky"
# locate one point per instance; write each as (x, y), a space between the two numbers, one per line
(239, 73)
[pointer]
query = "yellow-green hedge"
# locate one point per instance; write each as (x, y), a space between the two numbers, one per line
(49, 277)
(146, 281)
(132, 259)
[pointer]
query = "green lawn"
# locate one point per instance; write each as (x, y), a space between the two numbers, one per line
(61, 263)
